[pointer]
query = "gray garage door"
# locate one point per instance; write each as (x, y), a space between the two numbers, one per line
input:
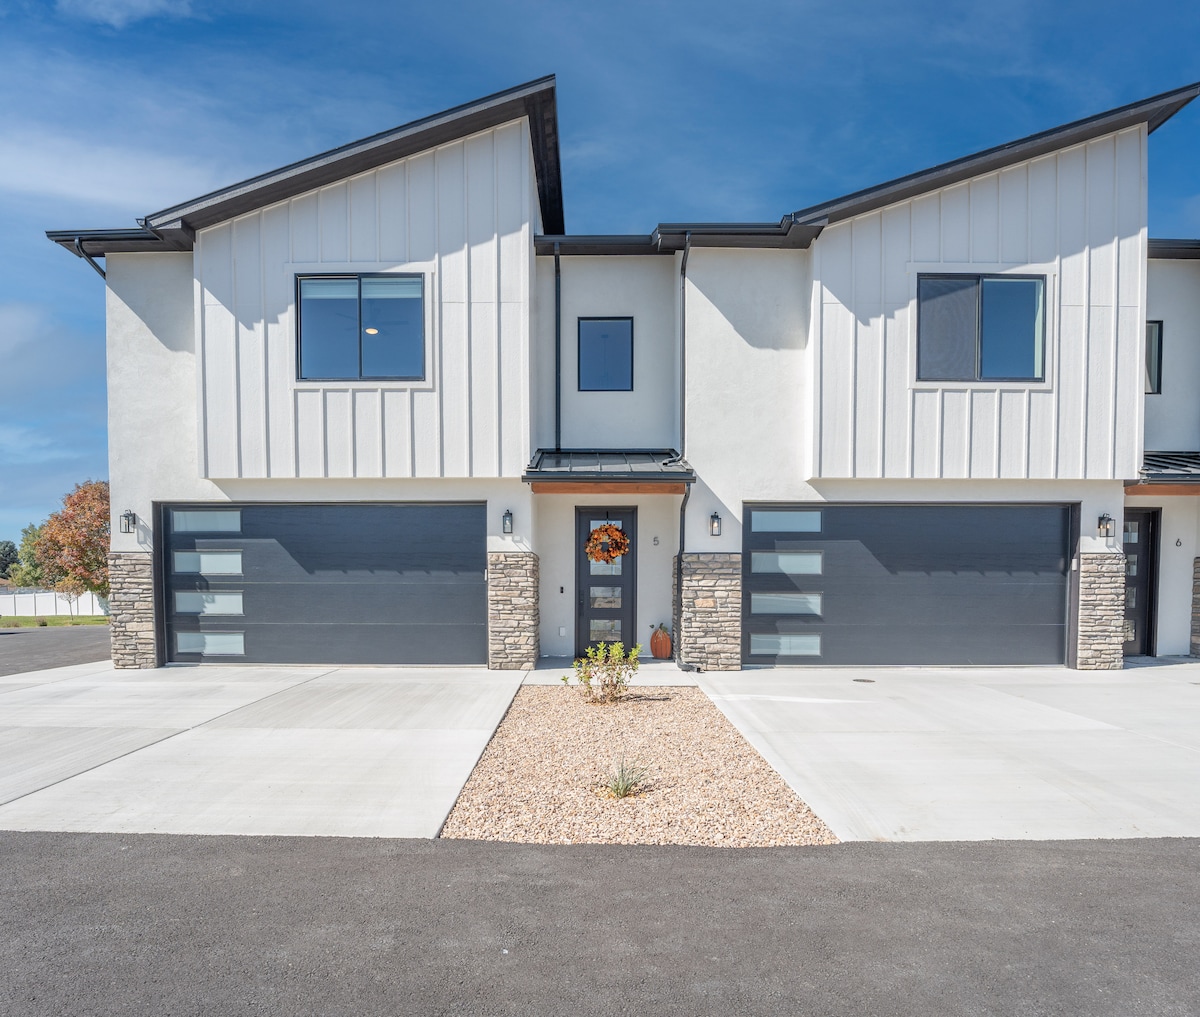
(325, 584)
(905, 584)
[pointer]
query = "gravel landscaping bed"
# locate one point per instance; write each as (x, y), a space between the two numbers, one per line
(541, 780)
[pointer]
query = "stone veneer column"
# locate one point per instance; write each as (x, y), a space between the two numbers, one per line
(709, 631)
(513, 617)
(1101, 611)
(1195, 648)
(131, 609)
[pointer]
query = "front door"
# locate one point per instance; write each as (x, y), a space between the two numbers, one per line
(605, 591)
(1140, 543)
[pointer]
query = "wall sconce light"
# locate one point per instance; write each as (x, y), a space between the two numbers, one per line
(1106, 526)
(128, 521)
(506, 521)
(714, 525)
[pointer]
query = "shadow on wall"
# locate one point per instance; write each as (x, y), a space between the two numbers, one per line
(763, 296)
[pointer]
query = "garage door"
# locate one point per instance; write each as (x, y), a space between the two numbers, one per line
(326, 584)
(905, 584)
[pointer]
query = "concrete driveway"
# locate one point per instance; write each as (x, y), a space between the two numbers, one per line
(1029, 753)
(366, 752)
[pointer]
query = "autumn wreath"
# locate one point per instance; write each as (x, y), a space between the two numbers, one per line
(605, 543)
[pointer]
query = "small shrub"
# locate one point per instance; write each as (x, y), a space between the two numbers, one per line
(41, 623)
(627, 779)
(602, 676)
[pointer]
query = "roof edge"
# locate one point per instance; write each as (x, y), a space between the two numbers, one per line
(1164, 249)
(1154, 112)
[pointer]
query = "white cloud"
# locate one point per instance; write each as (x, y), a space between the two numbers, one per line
(19, 324)
(119, 13)
(45, 163)
(20, 444)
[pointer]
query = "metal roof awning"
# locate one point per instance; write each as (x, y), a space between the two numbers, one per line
(1167, 473)
(608, 471)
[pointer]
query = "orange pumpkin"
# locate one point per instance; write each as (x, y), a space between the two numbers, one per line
(660, 643)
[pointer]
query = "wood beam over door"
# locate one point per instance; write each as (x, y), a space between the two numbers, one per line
(1165, 490)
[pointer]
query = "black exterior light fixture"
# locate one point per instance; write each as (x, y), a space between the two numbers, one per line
(1106, 526)
(128, 521)
(506, 521)
(714, 525)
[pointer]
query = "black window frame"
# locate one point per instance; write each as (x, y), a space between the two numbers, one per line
(358, 277)
(1157, 376)
(979, 278)
(579, 349)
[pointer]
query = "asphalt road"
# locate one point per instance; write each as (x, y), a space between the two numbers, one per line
(31, 649)
(105, 924)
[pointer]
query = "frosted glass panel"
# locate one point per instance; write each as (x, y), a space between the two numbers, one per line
(212, 644)
(209, 563)
(786, 644)
(788, 563)
(781, 521)
(206, 520)
(208, 602)
(605, 596)
(785, 603)
(604, 630)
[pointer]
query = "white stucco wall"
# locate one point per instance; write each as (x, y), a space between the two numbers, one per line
(658, 518)
(644, 288)
(1173, 297)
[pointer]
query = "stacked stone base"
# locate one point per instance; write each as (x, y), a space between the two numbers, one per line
(131, 609)
(708, 625)
(1101, 612)
(513, 615)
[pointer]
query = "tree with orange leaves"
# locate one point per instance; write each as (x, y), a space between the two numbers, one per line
(72, 547)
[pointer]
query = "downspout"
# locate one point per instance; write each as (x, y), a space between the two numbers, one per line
(87, 257)
(557, 350)
(687, 491)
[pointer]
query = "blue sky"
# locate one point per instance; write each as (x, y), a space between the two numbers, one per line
(111, 109)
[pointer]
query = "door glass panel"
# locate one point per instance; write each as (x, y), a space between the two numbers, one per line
(785, 603)
(212, 644)
(1130, 630)
(206, 520)
(208, 602)
(789, 563)
(785, 521)
(209, 563)
(1131, 531)
(601, 568)
(1130, 597)
(786, 644)
(1131, 564)
(606, 630)
(605, 596)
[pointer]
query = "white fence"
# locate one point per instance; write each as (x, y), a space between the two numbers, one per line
(33, 603)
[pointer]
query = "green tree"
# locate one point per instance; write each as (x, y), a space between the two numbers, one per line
(27, 571)
(8, 557)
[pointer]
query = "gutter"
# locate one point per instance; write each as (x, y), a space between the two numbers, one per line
(88, 258)
(687, 493)
(557, 350)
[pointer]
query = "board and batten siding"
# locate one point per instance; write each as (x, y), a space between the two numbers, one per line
(1078, 216)
(463, 215)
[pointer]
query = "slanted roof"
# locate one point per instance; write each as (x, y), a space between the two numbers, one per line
(1170, 468)
(174, 228)
(657, 467)
(1153, 112)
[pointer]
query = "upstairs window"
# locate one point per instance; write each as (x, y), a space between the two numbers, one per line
(981, 328)
(361, 326)
(605, 354)
(1154, 358)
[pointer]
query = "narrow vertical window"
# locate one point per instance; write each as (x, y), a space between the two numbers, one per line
(1154, 330)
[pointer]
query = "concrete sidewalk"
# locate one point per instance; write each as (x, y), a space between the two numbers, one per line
(974, 754)
(368, 752)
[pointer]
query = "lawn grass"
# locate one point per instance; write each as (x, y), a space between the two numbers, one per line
(23, 622)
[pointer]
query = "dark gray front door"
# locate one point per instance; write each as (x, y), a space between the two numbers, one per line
(325, 584)
(1140, 542)
(606, 610)
(905, 584)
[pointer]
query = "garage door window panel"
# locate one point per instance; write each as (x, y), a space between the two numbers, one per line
(208, 563)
